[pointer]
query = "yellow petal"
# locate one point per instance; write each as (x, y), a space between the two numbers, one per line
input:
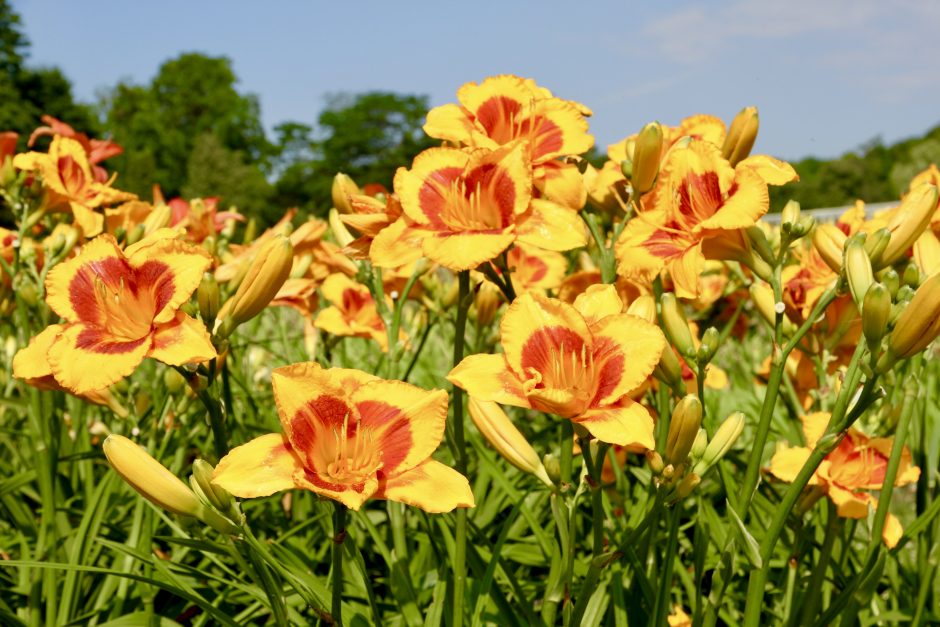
(352, 496)
(397, 244)
(431, 486)
(626, 424)
(850, 504)
(463, 251)
(787, 462)
(561, 182)
(32, 362)
(892, 531)
(450, 122)
(84, 359)
(488, 378)
(626, 350)
(183, 340)
(814, 425)
(533, 325)
(70, 285)
(173, 269)
(772, 171)
(551, 226)
(597, 302)
(261, 467)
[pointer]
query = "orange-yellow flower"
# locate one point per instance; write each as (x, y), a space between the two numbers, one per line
(120, 307)
(97, 149)
(506, 108)
(465, 207)
(700, 213)
(352, 311)
(349, 436)
(578, 362)
(200, 217)
(67, 175)
(846, 475)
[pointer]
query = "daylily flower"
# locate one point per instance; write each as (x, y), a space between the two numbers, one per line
(506, 108)
(464, 207)
(700, 214)
(847, 474)
(349, 436)
(807, 280)
(578, 362)
(352, 311)
(200, 217)
(97, 149)
(120, 307)
(66, 174)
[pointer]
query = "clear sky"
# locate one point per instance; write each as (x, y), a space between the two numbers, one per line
(827, 75)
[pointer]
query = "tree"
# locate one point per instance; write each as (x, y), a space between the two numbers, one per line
(368, 136)
(162, 124)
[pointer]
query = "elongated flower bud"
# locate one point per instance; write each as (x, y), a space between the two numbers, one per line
(741, 136)
(763, 297)
(919, 323)
(688, 483)
(340, 232)
(909, 221)
(486, 303)
(149, 477)
(709, 345)
(208, 297)
(499, 431)
(669, 370)
(646, 157)
(790, 213)
(158, 218)
(829, 241)
(759, 244)
(266, 274)
(676, 326)
(201, 482)
(875, 313)
(343, 188)
(700, 444)
(876, 243)
(724, 438)
(911, 276)
(683, 429)
(892, 281)
(858, 270)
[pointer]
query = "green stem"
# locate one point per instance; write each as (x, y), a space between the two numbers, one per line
(339, 537)
(607, 260)
(460, 531)
(814, 588)
(661, 608)
(597, 524)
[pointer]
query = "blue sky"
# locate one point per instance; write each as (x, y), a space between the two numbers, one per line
(827, 75)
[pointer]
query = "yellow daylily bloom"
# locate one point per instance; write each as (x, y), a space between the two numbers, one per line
(121, 306)
(579, 364)
(349, 436)
(352, 311)
(849, 472)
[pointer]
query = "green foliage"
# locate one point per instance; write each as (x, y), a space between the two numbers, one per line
(163, 126)
(367, 136)
(874, 173)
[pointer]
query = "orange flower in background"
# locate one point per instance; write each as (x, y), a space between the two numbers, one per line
(368, 217)
(506, 108)
(97, 149)
(66, 174)
(352, 311)
(578, 362)
(846, 475)
(464, 207)
(349, 436)
(200, 217)
(699, 216)
(120, 307)
(806, 281)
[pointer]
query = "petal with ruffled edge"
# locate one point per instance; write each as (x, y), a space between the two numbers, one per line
(397, 244)
(626, 350)
(462, 251)
(261, 467)
(645, 244)
(450, 122)
(850, 504)
(686, 271)
(626, 424)
(183, 340)
(70, 285)
(488, 378)
(597, 302)
(406, 422)
(772, 171)
(787, 462)
(562, 183)
(87, 219)
(172, 269)
(350, 495)
(431, 486)
(427, 186)
(533, 329)
(550, 226)
(535, 268)
(85, 359)
(32, 362)
(747, 201)
(554, 128)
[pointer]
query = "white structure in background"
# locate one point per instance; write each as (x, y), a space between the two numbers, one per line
(831, 214)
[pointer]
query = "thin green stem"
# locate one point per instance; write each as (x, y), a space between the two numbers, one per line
(669, 560)
(339, 537)
(460, 446)
(607, 260)
(814, 588)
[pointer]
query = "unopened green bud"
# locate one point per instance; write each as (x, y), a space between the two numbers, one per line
(858, 271)
(891, 280)
(135, 234)
(724, 438)
(646, 157)
(698, 447)
(688, 483)
(655, 462)
(676, 326)
(709, 345)
(741, 136)
(790, 213)
(875, 313)
(683, 428)
(760, 245)
(669, 370)
(626, 167)
(201, 483)
(209, 299)
(552, 467)
(905, 294)
(912, 276)
(875, 245)
(802, 226)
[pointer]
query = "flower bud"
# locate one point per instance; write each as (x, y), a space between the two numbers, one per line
(646, 156)
(709, 345)
(700, 444)
(683, 429)
(919, 323)
(875, 313)
(266, 274)
(802, 226)
(790, 213)
(858, 270)
(208, 297)
(763, 297)
(891, 281)
(760, 245)
(908, 221)
(340, 232)
(724, 438)
(343, 188)
(552, 467)
(201, 482)
(669, 370)
(688, 483)
(741, 136)
(911, 276)
(829, 241)
(626, 168)
(676, 326)
(173, 381)
(876, 243)
(157, 484)
(655, 462)
(158, 218)
(135, 234)
(486, 303)
(643, 307)
(495, 426)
